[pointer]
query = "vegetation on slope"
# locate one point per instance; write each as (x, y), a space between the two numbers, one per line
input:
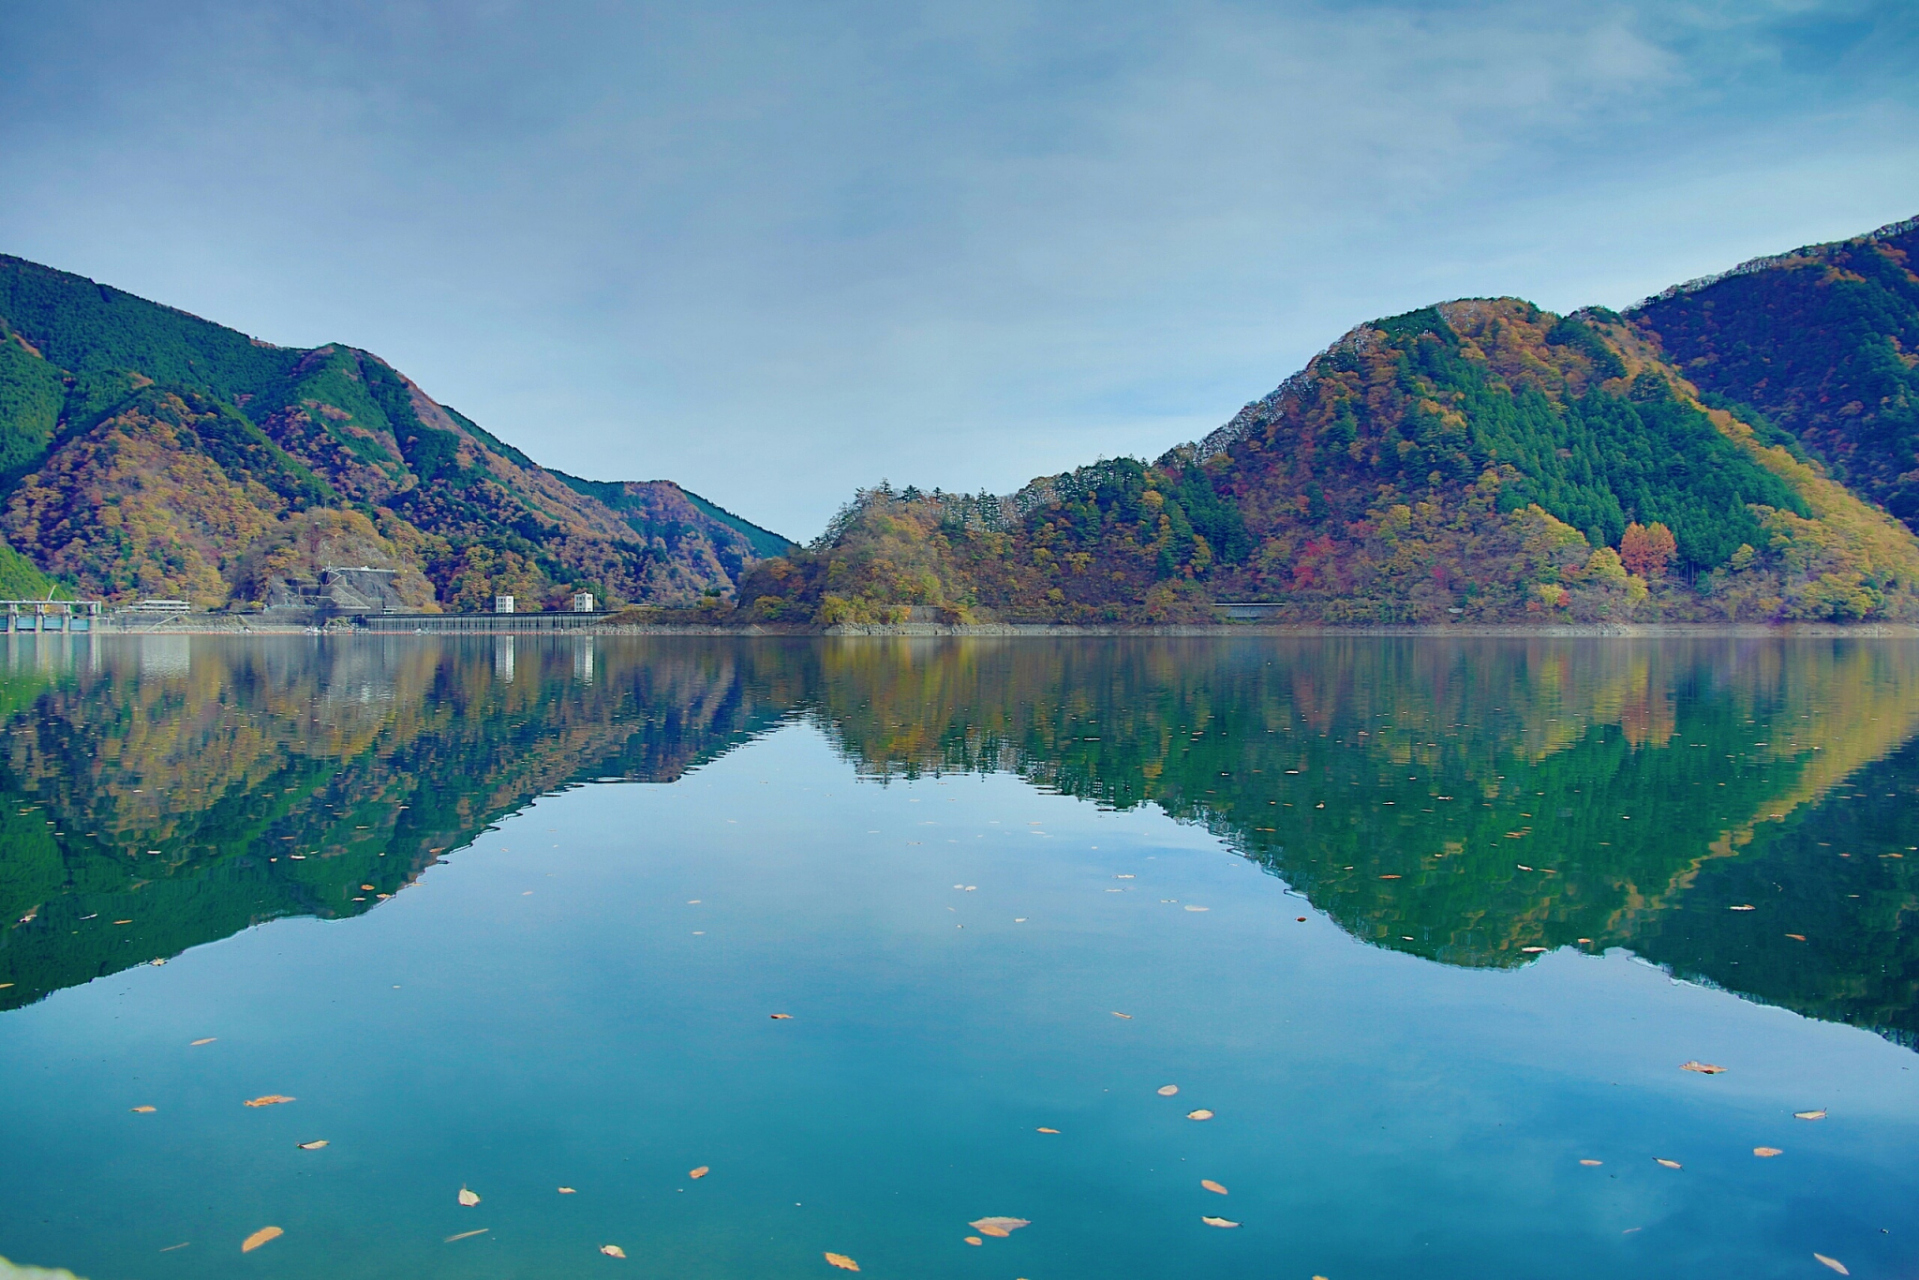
(1824, 342)
(144, 451)
(1481, 460)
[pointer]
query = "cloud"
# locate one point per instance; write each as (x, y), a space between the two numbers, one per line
(777, 251)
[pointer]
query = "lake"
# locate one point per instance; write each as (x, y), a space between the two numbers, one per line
(1240, 957)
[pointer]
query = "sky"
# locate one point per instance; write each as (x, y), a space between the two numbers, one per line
(776, 252)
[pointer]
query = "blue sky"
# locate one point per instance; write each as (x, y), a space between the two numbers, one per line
(775, 251)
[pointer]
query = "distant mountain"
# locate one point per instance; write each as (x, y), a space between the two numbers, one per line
(1824, 341)
(147, 452)
(660, 508)
(1481, 460)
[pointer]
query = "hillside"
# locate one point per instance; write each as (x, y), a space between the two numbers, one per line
(1823, 341)
(1481, 460)
(147, 452)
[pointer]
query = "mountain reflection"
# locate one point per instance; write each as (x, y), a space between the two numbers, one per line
(1469, 802)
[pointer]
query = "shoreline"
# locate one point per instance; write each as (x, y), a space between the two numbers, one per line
(204, 625)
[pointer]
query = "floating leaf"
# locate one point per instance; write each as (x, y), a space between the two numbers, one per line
(259, 1238)
(1703, 1068)
(1797, 937)
(1219, 1222)
(1670, 1164)
(1810, 1115)
(311, 1146)
(1592, 1164)
(269, 1100)
(1001, 1227)
(1834, 1263)
(1044, 1129)
(975, 1240)
(197, 1043)
(700, 1172)
(780, 1017)
(1201, 1114)
(1168, 1090)
(1767, 1153)
(469, 1198)
(477, 1231)
(568, 1191)
(841, 1261)
(612, 1251)
(144, 1110)
(1213, 1187)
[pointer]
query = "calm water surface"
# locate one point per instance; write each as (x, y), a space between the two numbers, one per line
(1428, 927)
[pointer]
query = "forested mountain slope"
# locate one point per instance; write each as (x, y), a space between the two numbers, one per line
(147, 452)
(1481, 460)
(1824, 341)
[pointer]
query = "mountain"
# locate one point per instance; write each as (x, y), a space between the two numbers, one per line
(1481, 460)
(147, 452)
(660, 508)
(1824, 342)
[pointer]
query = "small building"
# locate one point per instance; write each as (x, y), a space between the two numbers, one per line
(583, 602)
(503, 604)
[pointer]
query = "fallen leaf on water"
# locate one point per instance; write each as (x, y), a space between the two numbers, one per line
(315, 1145)
(1043, 1129)
(366, 888)
(1797, 937)
(268, 1100)
(1834, 1263)
(1592, 1164)
(1703, 1068)
(144, 1110)
(469, 1198)
(975, 1240)
(568, 1191)
(1118, 1014)
(1767, 1153)
(700, 1172)
(780, 1017)
(477, 1231)
(1001, 1227)
(612, 1251)
(1670, 1164)
(197, 1043)
(1219, 1222)
(1201, 1114)
(1810, 1115)
(1168, 1090)
(259, 1238)
(843, 1262)
(1212, 1186)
